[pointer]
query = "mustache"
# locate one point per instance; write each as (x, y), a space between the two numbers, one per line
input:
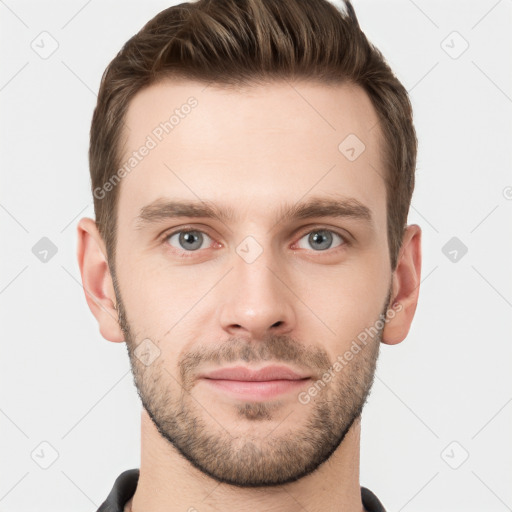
(275, 348)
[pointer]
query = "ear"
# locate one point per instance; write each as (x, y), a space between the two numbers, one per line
(97, 280)
(406, 287)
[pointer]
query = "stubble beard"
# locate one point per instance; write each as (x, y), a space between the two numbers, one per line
(282, 455)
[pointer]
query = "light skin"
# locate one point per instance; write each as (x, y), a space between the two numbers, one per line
(315, 285)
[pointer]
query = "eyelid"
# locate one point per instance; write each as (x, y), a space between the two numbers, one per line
(303, 231)
(184, 227)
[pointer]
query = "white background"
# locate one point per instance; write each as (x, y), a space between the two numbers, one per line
(449, 381)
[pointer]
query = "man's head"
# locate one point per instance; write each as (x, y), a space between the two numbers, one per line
(269, 127)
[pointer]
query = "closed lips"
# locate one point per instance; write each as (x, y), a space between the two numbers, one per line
(268, 373)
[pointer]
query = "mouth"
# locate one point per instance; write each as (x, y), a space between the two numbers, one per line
(262, 384)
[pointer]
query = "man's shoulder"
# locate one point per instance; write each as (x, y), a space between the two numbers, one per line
(123, 489)
(370, 502)
(126, 483)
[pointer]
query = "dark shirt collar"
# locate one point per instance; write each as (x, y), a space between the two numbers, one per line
(126, 483)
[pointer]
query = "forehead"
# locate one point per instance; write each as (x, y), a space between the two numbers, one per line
(251, 149)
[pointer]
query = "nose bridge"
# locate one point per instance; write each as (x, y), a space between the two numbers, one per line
(254, 299)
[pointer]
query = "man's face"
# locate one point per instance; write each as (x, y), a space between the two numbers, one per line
(262, 286)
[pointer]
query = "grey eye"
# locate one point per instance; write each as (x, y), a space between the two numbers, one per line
(320, 239)
(191, 240)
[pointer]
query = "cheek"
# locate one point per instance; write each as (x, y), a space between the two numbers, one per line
(345, 301)
(144, 294)
(161, 302)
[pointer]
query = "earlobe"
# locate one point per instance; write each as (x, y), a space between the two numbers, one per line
(406, 286)
(97, 280)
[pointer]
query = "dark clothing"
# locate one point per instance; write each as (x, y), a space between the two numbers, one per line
(126, 483)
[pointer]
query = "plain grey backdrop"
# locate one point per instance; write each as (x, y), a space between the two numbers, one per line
(436, 429)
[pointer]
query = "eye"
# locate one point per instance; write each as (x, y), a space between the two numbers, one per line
(188, 240)
(321, 239)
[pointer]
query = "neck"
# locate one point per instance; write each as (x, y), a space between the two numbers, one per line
(168, 482)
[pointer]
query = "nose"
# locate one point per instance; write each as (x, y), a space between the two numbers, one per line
(255, 299)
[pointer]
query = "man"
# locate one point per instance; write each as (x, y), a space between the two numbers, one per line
(231, 137)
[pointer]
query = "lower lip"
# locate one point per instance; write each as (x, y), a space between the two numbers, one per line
(257, 390)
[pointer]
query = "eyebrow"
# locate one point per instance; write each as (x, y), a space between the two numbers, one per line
(163, 209)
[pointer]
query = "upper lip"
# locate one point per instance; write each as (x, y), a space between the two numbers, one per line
(263, 374)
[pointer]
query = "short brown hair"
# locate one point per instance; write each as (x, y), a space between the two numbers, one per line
(244, 42)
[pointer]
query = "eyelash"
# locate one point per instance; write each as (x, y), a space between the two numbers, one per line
(188, 254)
